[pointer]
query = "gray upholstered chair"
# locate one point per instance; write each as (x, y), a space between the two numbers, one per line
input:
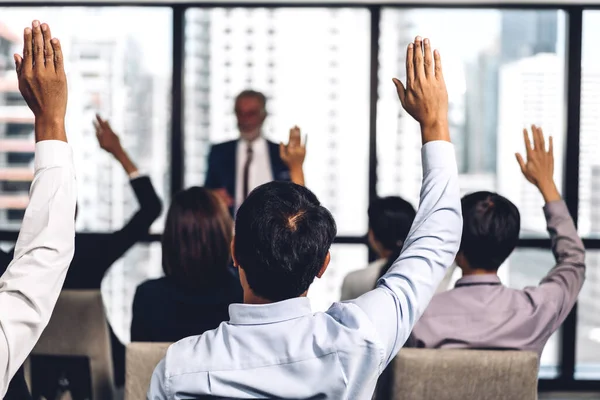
(140, 361)
(426, 374)
(78, 327)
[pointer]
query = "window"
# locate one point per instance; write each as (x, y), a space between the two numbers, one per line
(588, 321)
(514, 78)
(18, 130)
(133, 63)
(316, 78)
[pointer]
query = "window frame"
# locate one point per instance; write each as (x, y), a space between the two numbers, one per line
(574, 31)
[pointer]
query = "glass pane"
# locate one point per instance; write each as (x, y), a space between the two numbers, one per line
(345, 258)
(510, 75)
(123, 73)
(316, 78)
(587, 364)
(589, 163)
(142, 262)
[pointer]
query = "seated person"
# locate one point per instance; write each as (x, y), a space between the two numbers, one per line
(198, 286)
(498, 317)
(32, 282)
(274, 345)
(390, 219)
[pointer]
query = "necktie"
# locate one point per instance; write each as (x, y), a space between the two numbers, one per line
(247, 170)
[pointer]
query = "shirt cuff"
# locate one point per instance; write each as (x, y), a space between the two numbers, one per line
(135, 175)
(438, 154)
(557, 207)
(52, 153)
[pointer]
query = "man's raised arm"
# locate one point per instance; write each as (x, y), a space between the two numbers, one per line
(30, 286)
(404, 291)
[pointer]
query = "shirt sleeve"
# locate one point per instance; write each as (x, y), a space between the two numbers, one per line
(404, 292)
(30, 286)
(158, 390)
(560, 288)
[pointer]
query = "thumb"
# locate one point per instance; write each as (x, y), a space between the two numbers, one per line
(400, 90)
(281, 150)
(521, 162)
(18, 62)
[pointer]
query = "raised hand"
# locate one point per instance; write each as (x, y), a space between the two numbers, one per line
(425, 97)
(294, 153)
(42, 81)
(107, 138)
(539, 168)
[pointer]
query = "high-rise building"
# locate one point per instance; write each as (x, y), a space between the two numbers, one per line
(16, 138)
(531, 92)
(525, 34)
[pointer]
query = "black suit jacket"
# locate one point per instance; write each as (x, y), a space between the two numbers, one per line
(95, 253)
(222, 166)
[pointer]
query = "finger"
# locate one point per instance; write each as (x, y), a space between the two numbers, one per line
(99, 120)
(282, 151)
(410, 67)
(527, 142)
(38, 44)
(18, 63)
(521, 162)
(428, 58)
(48, 50)
(537, 140)
(295, 137)
(58, 56)
(400, 90)
(27, 49)
(542, 139)
(97, 127)
(550, 146)
(438, 64)
(418, 58)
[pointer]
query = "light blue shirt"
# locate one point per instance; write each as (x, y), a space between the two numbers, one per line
(284, 350)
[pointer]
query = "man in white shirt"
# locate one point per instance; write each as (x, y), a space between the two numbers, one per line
(30, 286)
(236, 167)
(274, 345)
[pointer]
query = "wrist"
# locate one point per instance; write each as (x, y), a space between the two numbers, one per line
(548, 190)
(435, 130)
(50, 128)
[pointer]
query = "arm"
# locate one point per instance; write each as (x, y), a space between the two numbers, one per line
(563, 283)
(405, 290)
(293, 155)
(31, 285)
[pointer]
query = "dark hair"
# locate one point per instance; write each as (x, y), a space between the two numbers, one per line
(197, 238)
(253, 94)
(491, 225)
(390, 219)
(282, 236)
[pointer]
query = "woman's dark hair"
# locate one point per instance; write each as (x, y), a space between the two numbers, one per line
(197, 238)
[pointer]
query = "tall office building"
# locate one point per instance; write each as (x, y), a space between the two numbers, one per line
(16, 138)
(530, 92)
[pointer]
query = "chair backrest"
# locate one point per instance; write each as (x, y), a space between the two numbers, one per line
(140, 361)
(78, 327)
(465, 375)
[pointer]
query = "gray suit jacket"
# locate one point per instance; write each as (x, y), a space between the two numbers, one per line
(482, 313)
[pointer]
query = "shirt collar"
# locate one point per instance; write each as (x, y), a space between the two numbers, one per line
(258, 314)
(487, 279)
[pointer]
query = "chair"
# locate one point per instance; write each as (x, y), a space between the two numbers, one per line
(78, 327)
(140, 361)
(464, 375)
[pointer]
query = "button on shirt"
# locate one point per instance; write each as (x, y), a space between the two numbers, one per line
(30, 286)
(498, 317)
(285, 350)
(260, 168)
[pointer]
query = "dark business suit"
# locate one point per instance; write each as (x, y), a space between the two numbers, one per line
(164, 311)
(222, 166)
(95, 253)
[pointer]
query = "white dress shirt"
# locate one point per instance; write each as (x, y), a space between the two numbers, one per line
(285, 350)
(260, 168)
(30, 286)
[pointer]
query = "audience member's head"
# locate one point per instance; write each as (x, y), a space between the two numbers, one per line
(196, 239)
(491, 225)
(250, 111)
(282, 240)
(390, 219)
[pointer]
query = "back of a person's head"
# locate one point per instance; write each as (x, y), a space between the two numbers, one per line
(282, 237)
(390, 219)
(491, 225)
(197, 238)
